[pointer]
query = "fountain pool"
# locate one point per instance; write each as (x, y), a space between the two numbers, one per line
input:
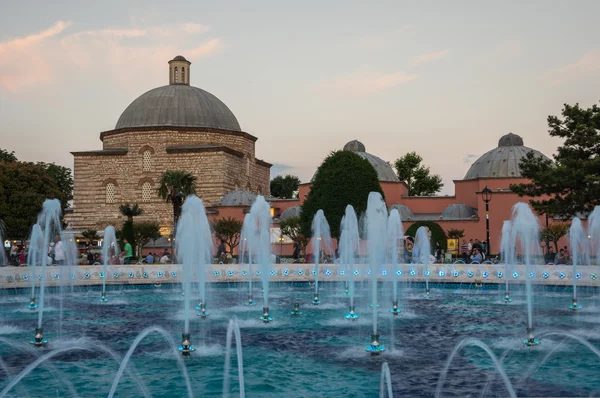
(317, 353)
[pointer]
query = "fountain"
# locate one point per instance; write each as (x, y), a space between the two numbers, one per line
(348, 246)
(321, 242)
(395, 235)
(296, 310)
(525, 235)
(580, 250)
(594, 233)
(247, 230)
(507, 251)
(376, 231)
(259, 246)
(3, 259)
(34, 257)
(194, 246)
(422, 252)
(110, 255)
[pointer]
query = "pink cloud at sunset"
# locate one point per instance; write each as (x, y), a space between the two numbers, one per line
(364, 82)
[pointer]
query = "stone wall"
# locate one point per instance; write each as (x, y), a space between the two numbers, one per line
(219, 171)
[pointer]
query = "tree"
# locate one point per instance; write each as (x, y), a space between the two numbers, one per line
(437, 233)
(285, 187)
(228, 230)
(143, 233)
(130, 211)
(554, 232)
(173, 182)
(90, 235)
(63, 178)
(6, 156)
(456, 233)
(343, 178)
(570, 183)
(292, 227)
(23, 189)
(417, 176)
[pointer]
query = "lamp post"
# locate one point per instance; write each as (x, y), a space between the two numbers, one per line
(281, 246)
(486, 195)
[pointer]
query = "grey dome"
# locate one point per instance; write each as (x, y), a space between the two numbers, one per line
(178, 105)
(237, 198)
(405, 212)
(459, 211)
(383, 168)
(503, 161)
(180, 58)
(293, 211)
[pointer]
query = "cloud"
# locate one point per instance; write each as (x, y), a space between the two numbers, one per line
(364, 82)
(378, 42)
(279, 168)
(52, 55)
(469, 157)
(429, 57)
(588, 64)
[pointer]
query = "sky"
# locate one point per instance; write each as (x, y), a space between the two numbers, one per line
(443, 78)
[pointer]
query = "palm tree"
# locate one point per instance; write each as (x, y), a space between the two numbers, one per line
(90, 235)
(130, 211)
(175, 182)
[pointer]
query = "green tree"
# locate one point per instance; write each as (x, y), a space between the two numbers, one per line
(570, 183)
(143, 233)
(554, 232)
(63, 178)
(437, 232)
(23, 189)
(129, 211)
(292, 227)
(6, 156)
(417, 176)
(228, 229)
(90, 235)
(344, 178)
(285, 186)
(173, 182)
(456, 233)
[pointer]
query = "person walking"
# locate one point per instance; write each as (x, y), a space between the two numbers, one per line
(127, 252)
(59, 252)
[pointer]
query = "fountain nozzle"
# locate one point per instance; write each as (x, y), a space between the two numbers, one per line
(507, 298)
(296, 310)
(316, 300)
(38, 339)
(395, 310)
(103, 298)
(186, 346)
(351, 314)
(574, 306)
(531, 340)
(202, 313)
(427, 293)
(250, 300)
(375, 348)
(199, 305)
(266, 318)
(32, 304)
(346, 290)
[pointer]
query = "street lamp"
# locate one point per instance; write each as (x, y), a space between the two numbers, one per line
(486, 195)
(281, 246)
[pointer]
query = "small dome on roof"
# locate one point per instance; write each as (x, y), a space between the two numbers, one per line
(459, 211)
(293, 211)
(355, 146)
(180, 58)
(405, 212)
(503, 161)
(237, 198)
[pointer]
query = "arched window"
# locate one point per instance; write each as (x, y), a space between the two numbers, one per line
(147, 160)
(176, 75)
(183, 74)
(110, 193)
(146, 192)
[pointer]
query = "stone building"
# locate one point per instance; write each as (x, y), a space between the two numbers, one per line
(173, 127)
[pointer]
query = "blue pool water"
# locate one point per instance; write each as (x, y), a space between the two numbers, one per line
(317, 354)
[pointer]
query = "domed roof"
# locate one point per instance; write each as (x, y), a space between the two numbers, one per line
(503, 161)
(293, 211)
(458, 211)
(383, 168)
(405, 212)
(178, 105)
(180, 58)
(237, 198)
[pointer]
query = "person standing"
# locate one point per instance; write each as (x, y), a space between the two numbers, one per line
(59, 252)
(127, 252)
(296, 253)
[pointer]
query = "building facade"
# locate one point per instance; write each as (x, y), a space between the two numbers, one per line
(173, 127)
